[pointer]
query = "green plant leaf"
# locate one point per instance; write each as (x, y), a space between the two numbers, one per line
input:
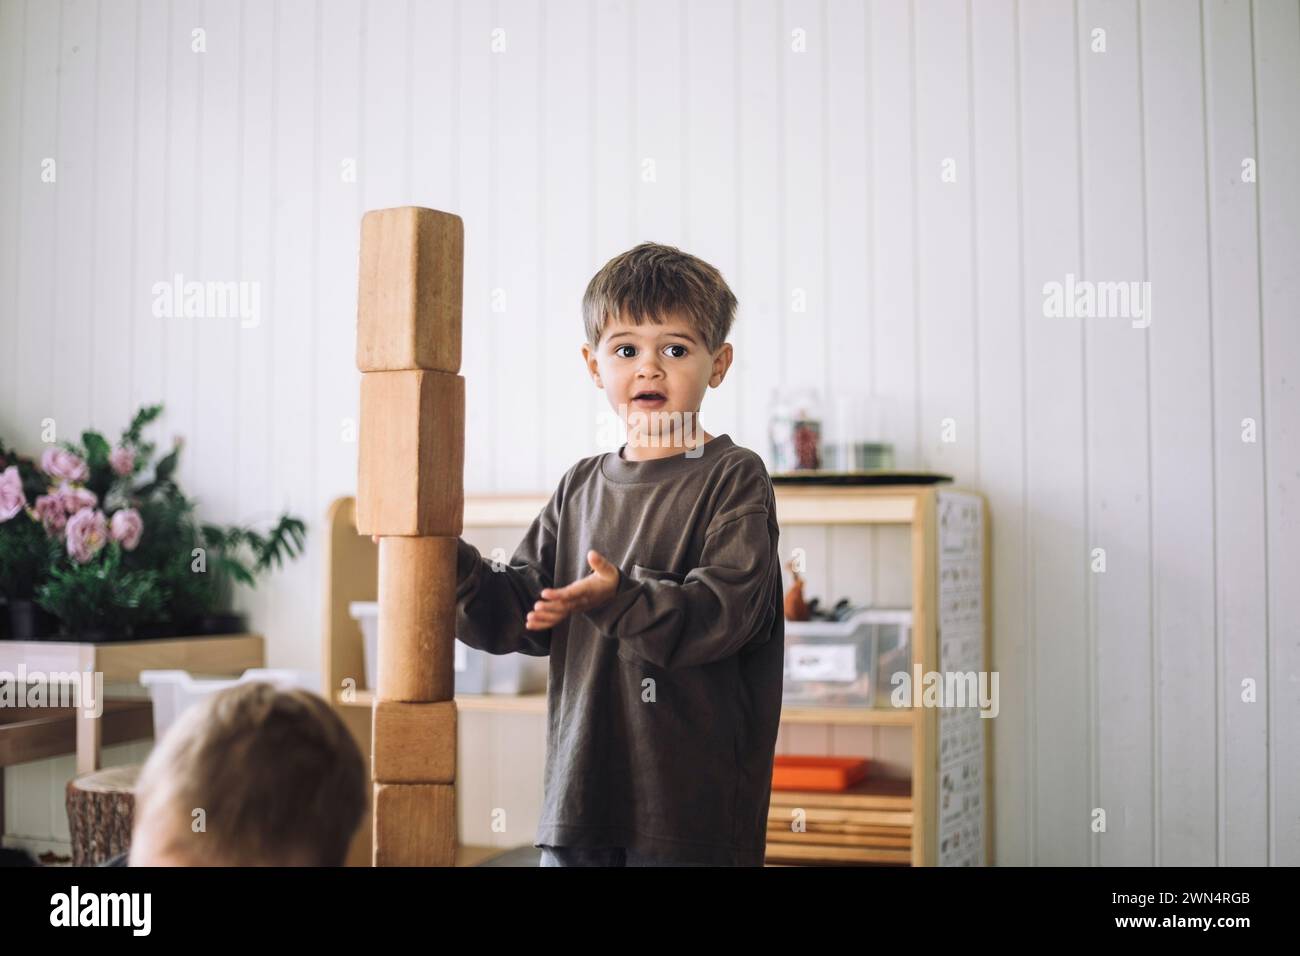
(167, 466)
(97, 448)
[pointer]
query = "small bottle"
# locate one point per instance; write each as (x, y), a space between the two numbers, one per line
(796, 430)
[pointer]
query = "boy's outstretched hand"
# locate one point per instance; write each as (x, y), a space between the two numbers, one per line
(592, 591)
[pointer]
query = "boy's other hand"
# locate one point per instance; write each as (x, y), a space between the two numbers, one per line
(592, 591)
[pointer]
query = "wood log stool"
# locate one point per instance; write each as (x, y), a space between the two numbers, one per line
(101, 810)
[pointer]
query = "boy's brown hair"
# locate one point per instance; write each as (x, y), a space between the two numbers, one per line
(651, 281)
(276, 772)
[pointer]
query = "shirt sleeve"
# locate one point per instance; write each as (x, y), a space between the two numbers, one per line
(714, 612)
(494, 598)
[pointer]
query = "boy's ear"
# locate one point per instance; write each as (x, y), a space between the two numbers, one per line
(721, 362)
(589, 360)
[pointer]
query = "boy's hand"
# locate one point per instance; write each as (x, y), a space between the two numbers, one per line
(592, 591)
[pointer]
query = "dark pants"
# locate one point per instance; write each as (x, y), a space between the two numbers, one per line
(602, 856)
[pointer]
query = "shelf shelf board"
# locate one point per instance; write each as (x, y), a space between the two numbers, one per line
(849, 716)
(884, 504)
(834, 505)
(536, 704)
(495, 703)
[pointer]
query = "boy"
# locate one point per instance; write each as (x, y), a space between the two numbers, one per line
(652, 580)
(276, 774)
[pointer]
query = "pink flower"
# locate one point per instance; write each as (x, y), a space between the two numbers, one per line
(76, 499)
(53, 514)
(126, 527)
(59, 463)
(122, 460)
(12, 498)
(87, 534)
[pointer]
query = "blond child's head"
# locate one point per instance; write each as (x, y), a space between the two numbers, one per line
(251, 776)
(656, 320)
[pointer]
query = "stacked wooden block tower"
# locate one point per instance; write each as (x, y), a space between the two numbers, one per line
(410, 492)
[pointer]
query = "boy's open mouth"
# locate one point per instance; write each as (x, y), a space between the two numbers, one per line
(649, 398)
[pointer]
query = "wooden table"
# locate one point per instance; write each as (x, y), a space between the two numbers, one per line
(122, 661)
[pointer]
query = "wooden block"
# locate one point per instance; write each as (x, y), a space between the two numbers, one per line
(415, 824)
(410, 291)
(417, 619)
(411, 460)
(413, 743)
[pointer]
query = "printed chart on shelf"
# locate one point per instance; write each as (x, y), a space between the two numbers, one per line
(961, 651)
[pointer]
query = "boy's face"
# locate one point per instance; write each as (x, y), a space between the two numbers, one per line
(669, 359)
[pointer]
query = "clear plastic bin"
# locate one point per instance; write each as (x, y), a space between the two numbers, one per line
(515, 673)
(846, 663)
(172, 692)
(893, 635)
(476, 671)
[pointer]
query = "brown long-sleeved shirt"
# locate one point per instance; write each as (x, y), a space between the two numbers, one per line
(663, 703)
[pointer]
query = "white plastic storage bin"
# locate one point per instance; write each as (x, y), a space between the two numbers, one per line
(174, 691)
(366, 614)
(846, 663)
(477, 672)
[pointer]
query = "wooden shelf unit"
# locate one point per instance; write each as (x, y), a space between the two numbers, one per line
(917, 506)
(352, 575)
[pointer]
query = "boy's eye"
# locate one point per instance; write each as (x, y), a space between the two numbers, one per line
(619, 350)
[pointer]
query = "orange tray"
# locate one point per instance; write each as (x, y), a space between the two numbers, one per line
(817, 773)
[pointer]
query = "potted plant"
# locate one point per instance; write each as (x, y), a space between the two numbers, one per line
(111, 553)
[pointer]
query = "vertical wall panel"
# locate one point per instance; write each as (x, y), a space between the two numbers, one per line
(181, 228)
(803, 70)
(655, 61)
(947, 324)
(565, 238)
(847, 212)
(477, 141)
(152, 184)
(74, 357)
(1000, 464)
(217, 337)
(255, 263)
(1239, 500)
(1182, 441)
(1277, 90)
(1120, 771)
(111, 372)
(515, 274)
(759, 287)
(336, 240)
(292, 327)
(1054, 422)
(893, 307)
(13, 39)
